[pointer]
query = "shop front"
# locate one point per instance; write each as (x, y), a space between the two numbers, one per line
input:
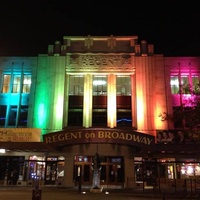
(115, 171)
(127, 159)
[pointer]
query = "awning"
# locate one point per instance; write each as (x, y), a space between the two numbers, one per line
(26, 146)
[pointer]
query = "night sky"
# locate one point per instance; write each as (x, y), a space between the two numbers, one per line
(28, 27)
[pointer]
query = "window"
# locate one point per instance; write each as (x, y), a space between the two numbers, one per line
(99, 85)
(16, 84)
(124, 113)
(12, 116)
(124, 118)
(138, 164)
(15, 80)
(174, 82)
(6, 83)
(99, 114)
(26, 84)
(99, 117)
(195, 84)
(3, 109)
(23, 115)
(186, 87)
(123, 85)
(76, 85)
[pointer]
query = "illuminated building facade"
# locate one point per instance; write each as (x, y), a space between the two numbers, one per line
(109, 95)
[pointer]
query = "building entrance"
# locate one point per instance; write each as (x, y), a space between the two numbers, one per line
(51, 173)
(54, 171)
(111, 168)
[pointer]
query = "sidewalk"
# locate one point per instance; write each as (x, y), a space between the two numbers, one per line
(54, 193)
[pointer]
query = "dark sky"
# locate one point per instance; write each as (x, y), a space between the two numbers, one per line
(27, 27)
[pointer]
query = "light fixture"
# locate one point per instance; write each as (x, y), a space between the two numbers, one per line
(99, 82)
(2, 151)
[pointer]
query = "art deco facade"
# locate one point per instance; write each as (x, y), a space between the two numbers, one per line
(109, 95)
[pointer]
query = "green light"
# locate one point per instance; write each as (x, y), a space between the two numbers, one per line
(41, 114)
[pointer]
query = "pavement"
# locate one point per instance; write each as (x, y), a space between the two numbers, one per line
(57, 193)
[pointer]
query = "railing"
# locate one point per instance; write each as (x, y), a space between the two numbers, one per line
(175, 185)
(178, 188)
(180, 196)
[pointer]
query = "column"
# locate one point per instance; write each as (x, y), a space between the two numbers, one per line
(111, 101)
(133, 101)
(87, 101)
(66, 101)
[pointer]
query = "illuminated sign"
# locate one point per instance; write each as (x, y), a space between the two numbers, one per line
(20, 134)
(98, 136)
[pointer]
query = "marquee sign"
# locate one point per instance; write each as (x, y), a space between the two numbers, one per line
(77, 136)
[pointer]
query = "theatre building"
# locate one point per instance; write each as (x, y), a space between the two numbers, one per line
(95, 94)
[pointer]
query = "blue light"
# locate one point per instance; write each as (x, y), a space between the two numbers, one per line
(124, 120)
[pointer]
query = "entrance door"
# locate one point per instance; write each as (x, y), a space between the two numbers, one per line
(111, 171)
(167, 171)
(83, 173)
(51, 173)
(115, 174)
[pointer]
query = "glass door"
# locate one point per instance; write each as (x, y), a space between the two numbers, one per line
(112, 171)
(51, 171)
(83, 170)
(116, 174)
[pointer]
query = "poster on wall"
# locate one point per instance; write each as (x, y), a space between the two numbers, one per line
(177, 136)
